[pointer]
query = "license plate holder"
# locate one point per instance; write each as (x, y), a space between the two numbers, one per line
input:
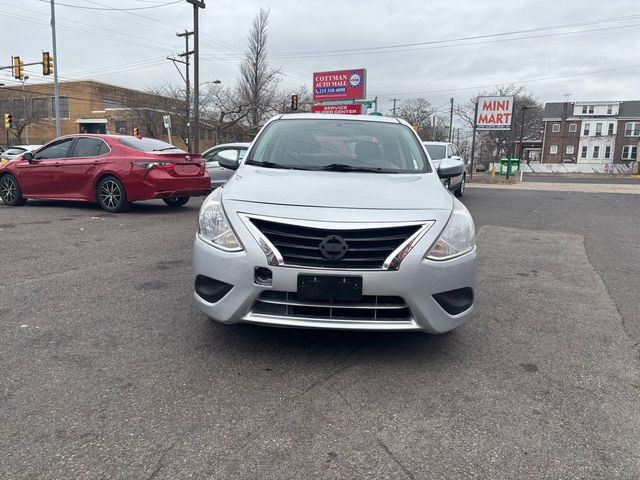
(336, 288)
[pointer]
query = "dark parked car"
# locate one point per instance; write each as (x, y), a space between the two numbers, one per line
(113, 170)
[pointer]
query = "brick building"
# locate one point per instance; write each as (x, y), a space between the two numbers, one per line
(591, 132)
(95, 107)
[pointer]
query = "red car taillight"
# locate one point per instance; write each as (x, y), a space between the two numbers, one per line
(149, 165)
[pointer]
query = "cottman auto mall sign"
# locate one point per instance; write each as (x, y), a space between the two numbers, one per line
(340, 85)
(494, 113)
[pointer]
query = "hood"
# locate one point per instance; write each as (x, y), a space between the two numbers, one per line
(338, 189)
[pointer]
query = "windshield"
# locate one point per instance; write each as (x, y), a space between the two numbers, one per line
(148, 144)
(342, 145)
(437, 152)
(15, 151)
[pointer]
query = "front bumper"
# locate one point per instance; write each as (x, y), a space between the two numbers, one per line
(417, 280)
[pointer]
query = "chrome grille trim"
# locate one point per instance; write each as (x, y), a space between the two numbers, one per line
(371, 309)
(391, 262)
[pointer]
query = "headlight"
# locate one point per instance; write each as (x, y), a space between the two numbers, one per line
(457, 238)
(214, 227)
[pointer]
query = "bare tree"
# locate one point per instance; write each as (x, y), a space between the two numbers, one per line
(416, 111)
(501, 143)
(282, 99)
(258, 81)
(224, 107)
(20, 106)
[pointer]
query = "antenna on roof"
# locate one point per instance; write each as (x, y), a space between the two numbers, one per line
(567, 96)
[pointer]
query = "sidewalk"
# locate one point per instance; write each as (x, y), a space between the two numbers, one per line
(562, 187)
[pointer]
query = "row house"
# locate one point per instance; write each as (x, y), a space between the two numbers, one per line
(591, 132)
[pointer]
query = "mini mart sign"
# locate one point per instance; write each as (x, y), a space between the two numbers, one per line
(494, 113)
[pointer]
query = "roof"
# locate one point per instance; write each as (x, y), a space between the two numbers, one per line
(630, 109)
(556, 109)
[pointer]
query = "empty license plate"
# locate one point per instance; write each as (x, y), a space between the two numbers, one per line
(330, 288)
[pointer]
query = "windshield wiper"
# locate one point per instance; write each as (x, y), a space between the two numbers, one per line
(267, 164)
(341, 167)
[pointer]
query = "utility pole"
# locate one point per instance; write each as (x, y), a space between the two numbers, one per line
(473, 139)
(197, 4)
(185, 77)
(451, 121)
(55, 70)
(394, 100)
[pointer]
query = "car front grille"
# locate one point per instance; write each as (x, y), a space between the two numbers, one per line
(370, 308)
(366, 248)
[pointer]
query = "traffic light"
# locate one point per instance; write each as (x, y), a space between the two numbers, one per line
(294, 103)
(8, 121)
(47, 63)
(17, 68)
(136, 131)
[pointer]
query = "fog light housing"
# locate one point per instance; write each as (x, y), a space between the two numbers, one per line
(210, 289)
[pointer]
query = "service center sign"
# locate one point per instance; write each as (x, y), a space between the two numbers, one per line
(352, 109)
(494, 113)
(340, 85)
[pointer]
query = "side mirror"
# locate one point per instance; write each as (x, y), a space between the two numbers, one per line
(28, 156)
(228, 159)
(450, 168)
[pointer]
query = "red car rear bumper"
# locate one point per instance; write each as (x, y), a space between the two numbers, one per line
(160, 184)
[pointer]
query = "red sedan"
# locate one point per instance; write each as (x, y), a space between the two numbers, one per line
(113, 170)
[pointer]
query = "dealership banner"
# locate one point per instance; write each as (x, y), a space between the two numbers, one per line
(351, 109)
(340, 85)
(494, 113)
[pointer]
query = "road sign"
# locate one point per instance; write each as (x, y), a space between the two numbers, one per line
(167, 121)
(494, 113)
(340, 85)
(350, 109)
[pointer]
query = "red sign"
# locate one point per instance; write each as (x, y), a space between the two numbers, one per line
(340, 85)
(352, 109)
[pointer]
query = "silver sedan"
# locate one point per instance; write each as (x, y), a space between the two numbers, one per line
(338, 222)
(232, 151)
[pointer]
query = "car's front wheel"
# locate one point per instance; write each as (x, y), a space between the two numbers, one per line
(111, 195)
(459, 192)
(176, 201)
(10, 191)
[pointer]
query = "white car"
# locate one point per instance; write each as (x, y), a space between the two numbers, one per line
(16, 151)
(448, 152)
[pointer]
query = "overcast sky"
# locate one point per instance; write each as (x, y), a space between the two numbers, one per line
(130, 48)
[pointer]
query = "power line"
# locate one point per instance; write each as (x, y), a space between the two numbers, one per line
(114, 9)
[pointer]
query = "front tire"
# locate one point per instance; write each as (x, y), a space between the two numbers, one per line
(459, 192)
(10, 191)
(176, 201)
(111, 195)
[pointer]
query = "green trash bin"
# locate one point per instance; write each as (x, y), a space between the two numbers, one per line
(514, 165)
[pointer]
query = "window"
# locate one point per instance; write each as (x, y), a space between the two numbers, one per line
(632, 129)
(209, 134)
(54, 150)
(553, 149)
(607, 151)
(573, 128)
(40, 108)
(64, 107)
(89, 147)
(584, 109)
(455, 151)
(609, 109)
(598, 129)
(584, 152)
(436, 152)
(630, 152)
(121, 126)
(555, 128)
(590, 108)
(570, 149)
(108, 103)
(611, 127)
(228, 153)
(587, 127)
(146, 144)
(596, 152)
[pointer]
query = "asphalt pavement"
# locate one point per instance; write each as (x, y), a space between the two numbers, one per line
(108, 371)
